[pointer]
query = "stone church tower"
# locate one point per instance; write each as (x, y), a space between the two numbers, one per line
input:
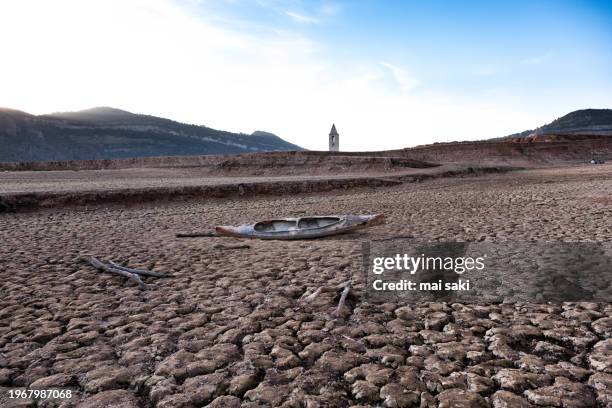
(334, 139)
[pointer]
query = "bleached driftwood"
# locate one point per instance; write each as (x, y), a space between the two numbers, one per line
(144, 272)
(96, 263)
(345, 292)
(132, 274)
(345, 287)
(312, 296)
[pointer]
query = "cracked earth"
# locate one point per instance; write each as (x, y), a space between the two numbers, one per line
(228, 329)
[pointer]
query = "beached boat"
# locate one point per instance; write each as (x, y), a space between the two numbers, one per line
(302, 228)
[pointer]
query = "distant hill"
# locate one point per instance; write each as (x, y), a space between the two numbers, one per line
(581, 122)
(108, 133)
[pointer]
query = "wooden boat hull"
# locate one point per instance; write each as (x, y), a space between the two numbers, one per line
(301, 228)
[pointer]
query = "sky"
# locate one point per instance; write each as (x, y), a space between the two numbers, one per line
(389, 74)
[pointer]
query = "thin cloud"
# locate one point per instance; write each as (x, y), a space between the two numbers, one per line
(302, 12)
(302, 18)
(405, 80)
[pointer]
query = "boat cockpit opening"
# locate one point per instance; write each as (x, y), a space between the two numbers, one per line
(307, 223)
(299, 224)
(275, 225)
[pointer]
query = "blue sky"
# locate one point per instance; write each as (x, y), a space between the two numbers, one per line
(390, 74)
(531, 49)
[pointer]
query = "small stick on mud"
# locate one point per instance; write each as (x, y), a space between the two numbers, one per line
(144, 272)
(96, 263)
(309, 298)
(312, 296)
(196, 234)
(345, 292)
(221, 246)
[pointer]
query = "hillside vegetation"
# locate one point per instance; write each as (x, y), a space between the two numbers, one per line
(107, 133)
(580, 122)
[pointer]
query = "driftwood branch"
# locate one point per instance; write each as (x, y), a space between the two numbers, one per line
(345, 287)
(345, 292)
(144, 272)
(96, 263)
(196, 234)
(312, 296)
(221, 246)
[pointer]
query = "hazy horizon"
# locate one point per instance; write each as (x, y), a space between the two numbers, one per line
(388, 75)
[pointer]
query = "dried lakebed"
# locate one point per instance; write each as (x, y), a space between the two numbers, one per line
(227, 329)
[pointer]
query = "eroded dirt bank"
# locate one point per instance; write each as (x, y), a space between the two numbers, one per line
(27, 190)
(227, 328)
(538, 151)
(269, 163)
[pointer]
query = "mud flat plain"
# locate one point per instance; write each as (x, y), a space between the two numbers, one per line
(228, 329)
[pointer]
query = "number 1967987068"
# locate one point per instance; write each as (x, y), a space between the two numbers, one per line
(51, 393)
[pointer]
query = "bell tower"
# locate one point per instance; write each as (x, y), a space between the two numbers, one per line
(334, 139)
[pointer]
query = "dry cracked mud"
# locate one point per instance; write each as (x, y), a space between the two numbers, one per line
(228, 329)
